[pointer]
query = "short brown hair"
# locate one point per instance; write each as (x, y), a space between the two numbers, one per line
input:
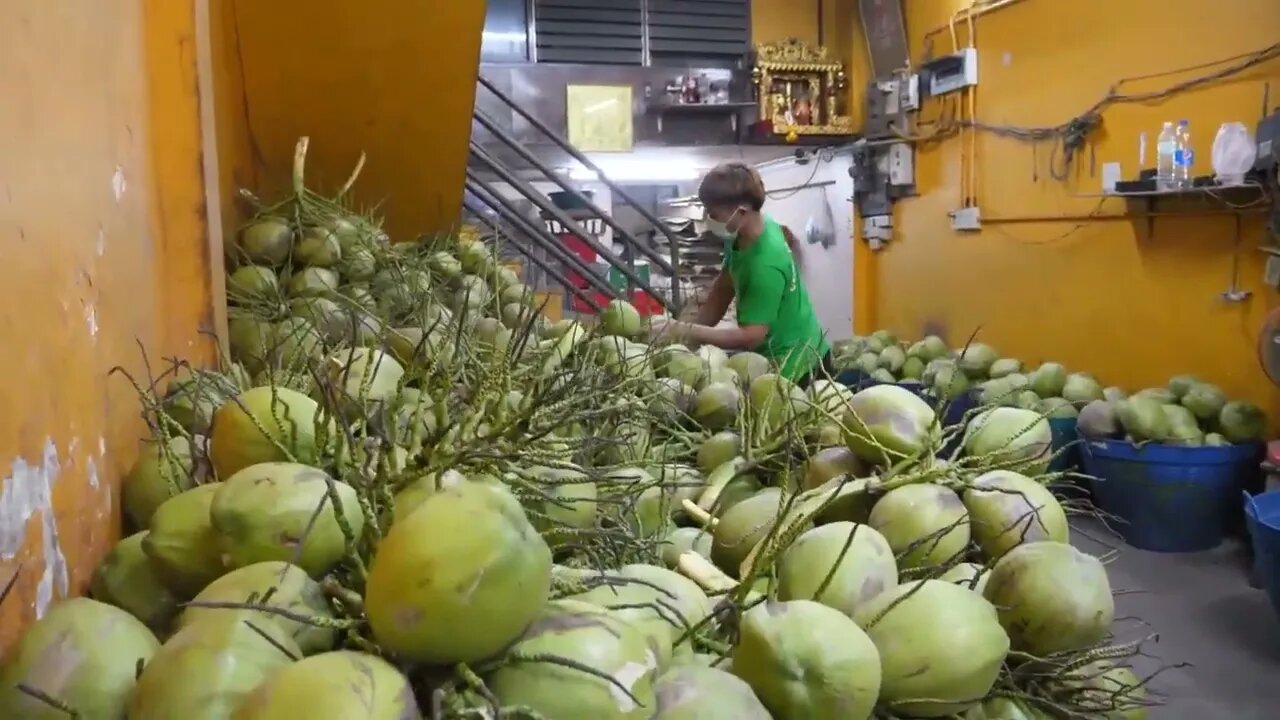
(732, 184)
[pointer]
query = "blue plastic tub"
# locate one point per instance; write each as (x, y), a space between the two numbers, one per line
(1262, 516)
(1064, 435)
(1169, 499)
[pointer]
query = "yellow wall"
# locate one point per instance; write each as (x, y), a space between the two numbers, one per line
(105, 247)
(393, 79)
(1101, 295)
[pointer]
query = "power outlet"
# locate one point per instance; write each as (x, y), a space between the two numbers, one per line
(901, 165)
(967, 219)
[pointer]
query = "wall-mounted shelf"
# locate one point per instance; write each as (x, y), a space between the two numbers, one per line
(1243, 198)
(731, 110)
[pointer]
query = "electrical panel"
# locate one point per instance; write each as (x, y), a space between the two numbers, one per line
(950, 73)
(900, 165)
(1268, 136)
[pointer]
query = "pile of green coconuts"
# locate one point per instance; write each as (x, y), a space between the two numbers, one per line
(1187, 412)
(406, 495)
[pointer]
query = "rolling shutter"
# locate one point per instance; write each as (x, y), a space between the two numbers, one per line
(698, 32)
(590, 31)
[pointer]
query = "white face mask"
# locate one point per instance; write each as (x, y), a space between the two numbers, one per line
(721, 229)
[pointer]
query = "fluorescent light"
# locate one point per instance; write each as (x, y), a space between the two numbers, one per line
(636, 170)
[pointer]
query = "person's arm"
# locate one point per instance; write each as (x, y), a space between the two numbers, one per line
(718, 299)
(793, 242)
(757, 310)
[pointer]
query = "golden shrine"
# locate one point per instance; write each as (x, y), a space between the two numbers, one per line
(799, 88)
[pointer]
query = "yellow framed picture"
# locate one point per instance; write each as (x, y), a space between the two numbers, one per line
(600, 118)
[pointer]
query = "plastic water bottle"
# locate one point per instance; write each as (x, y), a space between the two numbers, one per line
(1166, 156)
(1184, 157)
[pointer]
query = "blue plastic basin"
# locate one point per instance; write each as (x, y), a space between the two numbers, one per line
(1064, 436)
(1262, 516)
(1170, 499)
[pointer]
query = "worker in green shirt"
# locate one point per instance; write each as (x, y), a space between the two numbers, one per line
(761, 271)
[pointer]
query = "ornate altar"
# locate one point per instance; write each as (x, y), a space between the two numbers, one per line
(800, 90)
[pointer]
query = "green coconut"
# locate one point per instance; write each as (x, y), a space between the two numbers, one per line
(748, 366)
(948, 382)
(1110, 691)
(713, 357)
(930, 348)
(621, 318)
(1081, 389)
(874, 344)
(696, 692)
(776, 401)
(665, 605)
(884, 337)
(127, 579)
(583, 634)
(912, 369)
(340, 684)
(358, 263)
(415, 347)
(686, 367)
(411, 496)
(1055, 408)
(313, 282)
(925, 524)
(830, 397)
(1003, 708)
(294, 344)
(716, 406)
(162, 470)
(881, 375)
(806, 660)
(718, 450)
(400, 291)
(682, 540)
(1114, 394)
(1051, 598)
(568, 503)
(1183, 428)
(192, 401)
(941, 647)
(475, 256)
(288, 512)
(255, 426)
(252, 282)
(1049, 380)
(867, 362)
(970, 576)
(672, 399)
(1008, 509)
(318, 247)
(267, 241)
(829, 463)
(1143, 417)
(1163, 396)
(275, 585)
(445, 264)
(518, 294)
(1098, 420)
(742, 527)
(249, 340)
(976, 359)
(1004, 367)
(182, 544)
(886, 423)
(892, 359)
(467, 557)
(1179, 385)
(206, 669)
(1205, 401)
(851, 564)
(82, 653)
(1214, 439)
(327, 316)
(364, 375)
(1242, 422)
(1028, 400)
(1010, 435)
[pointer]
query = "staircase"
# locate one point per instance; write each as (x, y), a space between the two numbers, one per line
(564, 242)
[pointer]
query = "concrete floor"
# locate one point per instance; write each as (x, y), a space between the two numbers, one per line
(1206, 616)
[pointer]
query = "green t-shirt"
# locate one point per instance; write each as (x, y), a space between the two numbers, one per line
(769, 291)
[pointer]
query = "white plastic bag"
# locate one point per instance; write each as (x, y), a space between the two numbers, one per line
(1234, 151)
(820, 229)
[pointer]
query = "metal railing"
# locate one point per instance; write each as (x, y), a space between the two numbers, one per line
(542, 237)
